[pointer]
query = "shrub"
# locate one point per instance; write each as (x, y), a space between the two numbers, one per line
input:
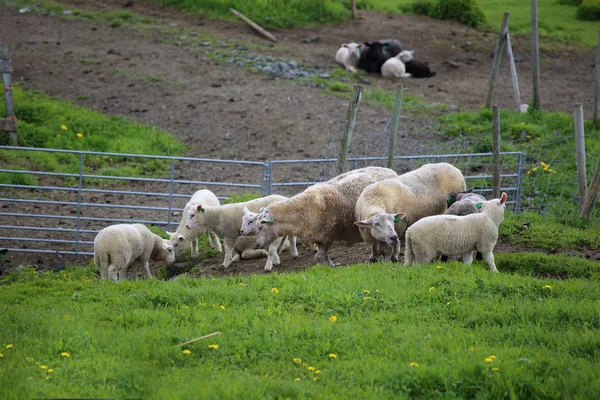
(464, 11)
(575, 3)
(589, 11)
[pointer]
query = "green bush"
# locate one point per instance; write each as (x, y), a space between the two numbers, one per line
(589, 12)
(464, 11)
(575, 3)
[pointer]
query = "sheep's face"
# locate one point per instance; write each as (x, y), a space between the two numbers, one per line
(383, 227)
(353, 49)
(168, 253)
(406, 55)
(178, 241)
(266, 229)
(249, 222)
(194, 218)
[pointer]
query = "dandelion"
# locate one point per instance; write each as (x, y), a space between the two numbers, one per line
(534, 169)
(318, 371)
(184, 307)
(297, 380)
(304, 364)
(315, 379)
(50, 371)
(366, 298)
(48, 377)
(80, 135)
(431, 289)
(543, 164)
(366, 291)
(333, 318)
(63, 127)
(495, 369)
(332, 355)
(439, 267)
(490, 359)
(186, 351)
(213, 346)
(222, 307)
(9, 346)
(413, 364)
(43, 366)
(311, 368)
(448, 303)
(528, 172)
(243, 284)
(65, 354)
(275, 290)
(547, 287)
(297, 360)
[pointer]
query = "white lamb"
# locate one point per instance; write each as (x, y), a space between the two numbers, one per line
(455, 235)
(117, 247)
(322, 214)
(182, 236)
(393, 67)
(385, 209)
(348, 55)
(225, 221)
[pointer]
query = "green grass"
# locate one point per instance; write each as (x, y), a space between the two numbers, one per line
(47, 122)
(419, 332)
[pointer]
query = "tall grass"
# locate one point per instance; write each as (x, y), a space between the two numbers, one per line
(422, 332)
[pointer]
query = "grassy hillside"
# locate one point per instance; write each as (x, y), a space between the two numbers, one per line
(374, 331)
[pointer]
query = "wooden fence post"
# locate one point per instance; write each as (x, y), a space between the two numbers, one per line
(350, 123)
(580, 153)
(8, 124)
(597, 92)
(353, 8)
(535, 49)
(495, 152)
(513, 72)
(497, 59)
(395, 123)
(592, 193)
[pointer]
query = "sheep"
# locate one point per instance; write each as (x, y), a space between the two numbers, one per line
(225, 221)
(463, 203)
(392, 47)
(386, 208)
(181, 236)
(416, 68)
(117, 247)
(322, 214)
(348, 55)
(394, 68)
(433, 236)
(372, 57)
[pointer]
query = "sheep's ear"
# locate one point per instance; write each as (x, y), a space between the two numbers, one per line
(344, 44)
(166, 246)
(180, 238)
(246, 211)
(171, 234)
(398, 217)
(503, 198)
(366, 222)
(479, 205)
(200, 208)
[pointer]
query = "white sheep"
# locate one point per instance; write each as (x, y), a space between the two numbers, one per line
(393, 67)
(117, 247)
(322, 214)
(386, 208)
(225, 221)
(348, 55)
(455, 235)
(182, 236)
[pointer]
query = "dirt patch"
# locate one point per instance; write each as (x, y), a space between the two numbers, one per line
(199, 100)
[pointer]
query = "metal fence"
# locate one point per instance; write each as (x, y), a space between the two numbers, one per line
(61, 212)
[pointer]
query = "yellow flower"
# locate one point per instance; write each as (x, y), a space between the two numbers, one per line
(439, 267)
(431, 289)
(490, 359)
(186, 351)
(243, 284)
(366, 298)
(547, 287)
(311, 368)
(493, 357)
(1, 355)
(65, 354)
(332, 355)
(495, 369)
(184, 307)
(333, 318)
(297, 360)
(50, 371)
(366, 291)
(543, 164)
(275, 290)
(534, 169)
(63, 127)
(80, 135)
(528, 172)
(413, 364)
(297, 380)
(43, 366)
(9, 346)
(213, 346)
(222, 307)
(448, 303)
(315, 379)
(47, 377)
(471, 348)
(318, 371)
(522, 123)
(304, 364)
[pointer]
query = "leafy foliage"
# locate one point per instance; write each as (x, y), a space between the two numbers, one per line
(467, 12)
(589, 11)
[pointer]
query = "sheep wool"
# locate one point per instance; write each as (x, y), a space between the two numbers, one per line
(117, 247)
(451, 235)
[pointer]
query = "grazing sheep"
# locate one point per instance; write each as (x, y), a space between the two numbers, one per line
(117, 247)
(392, 47)
(394, 68)
(372, 57)
(433, 236)
(386, 208)
(225, 220)
(463, 203)
(416, 68)
(348, 55)
(182, 236)
(322, 214)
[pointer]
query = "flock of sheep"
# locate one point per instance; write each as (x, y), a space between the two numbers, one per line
(428, 209)
(386, 57)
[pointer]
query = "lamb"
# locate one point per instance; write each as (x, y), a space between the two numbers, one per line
(117, 247)
(182, 236)
(416, 68)
(372, 57)
(225, 221)
(322, 214)
(348, 55)
(433, 236)
(394, 68)
(386, 208)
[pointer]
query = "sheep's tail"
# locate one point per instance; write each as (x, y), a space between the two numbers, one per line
(409, 255)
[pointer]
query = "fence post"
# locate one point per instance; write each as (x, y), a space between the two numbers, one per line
(535, 49)
(395, 122)
(8, 124)
(597, 93)
(497, 58)
(270, 178)
(519, 182)
(171, 179)
(495, 152)
(513, 72)
(353, 8)
(580, 153)
(350, 123)
(79, 186)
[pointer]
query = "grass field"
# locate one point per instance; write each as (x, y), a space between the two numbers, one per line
(373, 331)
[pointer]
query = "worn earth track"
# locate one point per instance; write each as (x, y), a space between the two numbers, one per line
(198, 99)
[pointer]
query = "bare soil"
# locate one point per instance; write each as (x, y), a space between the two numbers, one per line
(198, 99)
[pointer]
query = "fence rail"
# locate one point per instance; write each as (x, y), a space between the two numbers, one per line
(63, 212)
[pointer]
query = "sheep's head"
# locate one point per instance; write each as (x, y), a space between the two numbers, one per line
(406, 55)
(168, 252)
(494, 208)
(194, 219)
(354, 49)
(383, 227)
(249, 222)
(266, 228)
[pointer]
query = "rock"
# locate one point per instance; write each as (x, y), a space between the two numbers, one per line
(364, 80)
(454, 64)
(205, 44)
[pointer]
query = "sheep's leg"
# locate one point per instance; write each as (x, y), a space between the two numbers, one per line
(468, 257)
(236, 256)
(350, 69)
(294, 249)
(147, 269)
(101, 266)
(215, 243)
(229, 248)
(322, 256)
(489, 258)
(113, 272)
(254, 253)
(374, 257)
(194, 251)
(396, 253)
(272, 256)
(118, 263)
(405, 75)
